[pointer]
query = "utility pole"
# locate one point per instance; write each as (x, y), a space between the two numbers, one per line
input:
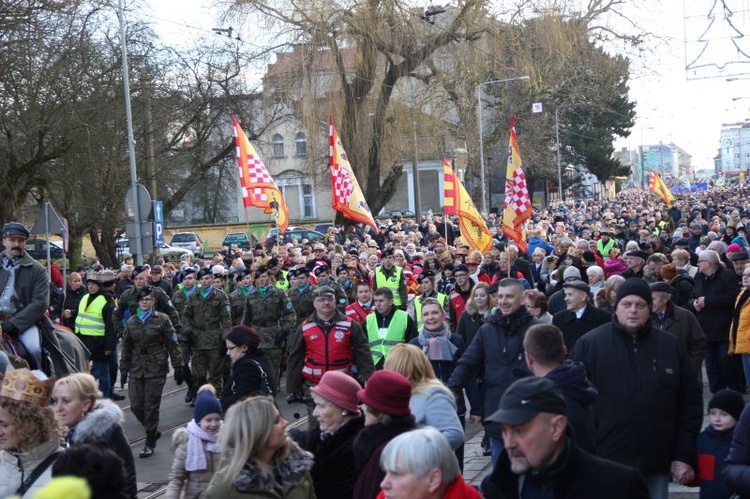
(559, 162)
(415, 169)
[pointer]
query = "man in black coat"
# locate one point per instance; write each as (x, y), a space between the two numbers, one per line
(714, 293)
(542, 459)
(580, 316)
(498, 347)
(650, 407)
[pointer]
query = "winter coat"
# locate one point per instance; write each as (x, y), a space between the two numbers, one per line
(16, 466)
(712, 448)
(498, 346)
(334, 472)
(290, 480)
(683, 324)
(104, 422)
(650, 406)
(458, 489)
(246, 378)
(575, 475)
(614, 266)
(435, 406)
(444, 368)
(571, 379)
(720, 291)
(739, 341)
(72, 300)
(469, 324)
(148, 346)
(32, 291)
(368, 446)
(573, 328)
(193, 482)
(737, 464)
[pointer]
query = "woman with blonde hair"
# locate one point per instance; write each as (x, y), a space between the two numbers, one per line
(87, 417)
(259, 459)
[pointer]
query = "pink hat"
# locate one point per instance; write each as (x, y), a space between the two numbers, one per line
(734, 248)
(339, 389)
(387, 392)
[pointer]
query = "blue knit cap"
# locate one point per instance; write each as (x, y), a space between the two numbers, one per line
(206, 403)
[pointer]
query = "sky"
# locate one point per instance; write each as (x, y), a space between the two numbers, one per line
(670, 106)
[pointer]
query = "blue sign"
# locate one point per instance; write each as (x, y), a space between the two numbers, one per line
(158, 233)
(158, 212)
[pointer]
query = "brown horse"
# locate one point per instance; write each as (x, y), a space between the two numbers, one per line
(66, 352)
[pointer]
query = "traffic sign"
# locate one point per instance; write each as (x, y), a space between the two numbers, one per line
(144, 202)
(158, 211)
(158, 232)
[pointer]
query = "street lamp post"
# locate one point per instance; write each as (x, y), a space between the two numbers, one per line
(481, 138)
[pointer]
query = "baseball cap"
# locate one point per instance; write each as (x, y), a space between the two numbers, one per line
(526, 398)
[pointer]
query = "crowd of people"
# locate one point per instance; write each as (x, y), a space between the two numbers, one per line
(581, 352)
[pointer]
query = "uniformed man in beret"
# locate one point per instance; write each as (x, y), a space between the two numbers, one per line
(127, 305)
(270, 312)
(185, 289)
(323, 274)
(301, 295)
(244, 285)
(388, 275)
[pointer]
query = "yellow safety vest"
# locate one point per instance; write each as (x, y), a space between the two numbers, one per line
(91, 322)
(396, 334)
(283, 283)
(381, 280)
(418, 307)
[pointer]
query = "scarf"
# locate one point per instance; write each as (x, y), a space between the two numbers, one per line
(262, 290)
(195, 460)
(437, 345)
(10, 263)
(206, 292)
(143, 315)
(189, 291)
(245, 290)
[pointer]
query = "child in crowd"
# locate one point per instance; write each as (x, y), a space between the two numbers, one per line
(713, 442)
(196, 451)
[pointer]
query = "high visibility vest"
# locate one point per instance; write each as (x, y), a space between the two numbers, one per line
(418, 307)
(605, 249)
(381, 280)
(331, 352)
(396, 334)
(91, 322)
(283, 281)
(355, 313)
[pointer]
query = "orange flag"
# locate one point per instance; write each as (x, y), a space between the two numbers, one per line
(658, 187)
(517, 206)
(473, 228)
(258, 188)
(347, 195)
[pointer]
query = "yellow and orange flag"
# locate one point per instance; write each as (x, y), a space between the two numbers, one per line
(258, 187)
(457, 202)
(658, 187)
(517, 206)
(347, 195)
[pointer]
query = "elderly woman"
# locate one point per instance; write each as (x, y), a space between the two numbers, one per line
(385, 403)
(251, 370)
(337, 412)
(88, 417)
(611, 286)
(536, 303)
(259, 459)
(420, 464)
(29, 441)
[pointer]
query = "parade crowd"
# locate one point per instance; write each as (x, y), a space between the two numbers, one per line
(582, 352)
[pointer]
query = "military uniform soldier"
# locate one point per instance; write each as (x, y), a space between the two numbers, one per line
(127, 305)
(324, 279)
(301, 295)
(180, 298)
(206, 320)
(148, 340)
(238, 296)
(270, 312)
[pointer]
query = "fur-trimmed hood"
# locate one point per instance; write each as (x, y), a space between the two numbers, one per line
(98, 424)
(287, 474)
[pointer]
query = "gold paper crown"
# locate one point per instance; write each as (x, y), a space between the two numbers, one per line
(23, 386)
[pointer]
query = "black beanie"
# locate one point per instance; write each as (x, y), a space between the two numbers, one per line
(728, 401)
(634, 286)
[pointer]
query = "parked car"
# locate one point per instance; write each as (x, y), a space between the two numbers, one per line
(293, 234)
(172, 253)
(190, 241)
(242, 239)
(37, 249)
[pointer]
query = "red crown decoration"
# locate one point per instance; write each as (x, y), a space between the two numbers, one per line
(22, 385)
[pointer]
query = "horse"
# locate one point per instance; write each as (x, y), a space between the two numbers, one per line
(64, 353)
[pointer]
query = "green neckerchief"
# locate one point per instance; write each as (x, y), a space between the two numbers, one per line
(189, 291)
(262, 290)
(245, 290)
(206, 292)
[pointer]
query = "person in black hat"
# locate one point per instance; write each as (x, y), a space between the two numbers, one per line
(667, 316)
(636, 261)
(301, 294)
(184, 290)
(542, 455)
(580, 316)
(323, 274)
(346, 283)
(650, 406)
(24, 304)
(387, 274)
(459, 295)
(244, 279)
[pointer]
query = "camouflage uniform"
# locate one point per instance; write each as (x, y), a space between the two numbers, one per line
(205, 325)
(179, 300)
(145, 348)
(272, 316)
(127, 306)
(237, 300)
(303, 303)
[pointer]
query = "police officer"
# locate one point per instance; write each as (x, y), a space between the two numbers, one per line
(427, 284)
(301, 295)
(323, 273)
(94, 325)
(326, 341)
(388, 275)
(244, 280)
(271, 313)
(127, 305)
(148, 340)
(206, 320)
(185, 289)
(387, 327)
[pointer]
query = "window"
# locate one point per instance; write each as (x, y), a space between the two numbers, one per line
(307, 201)
(278, 145)
(300, 142)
